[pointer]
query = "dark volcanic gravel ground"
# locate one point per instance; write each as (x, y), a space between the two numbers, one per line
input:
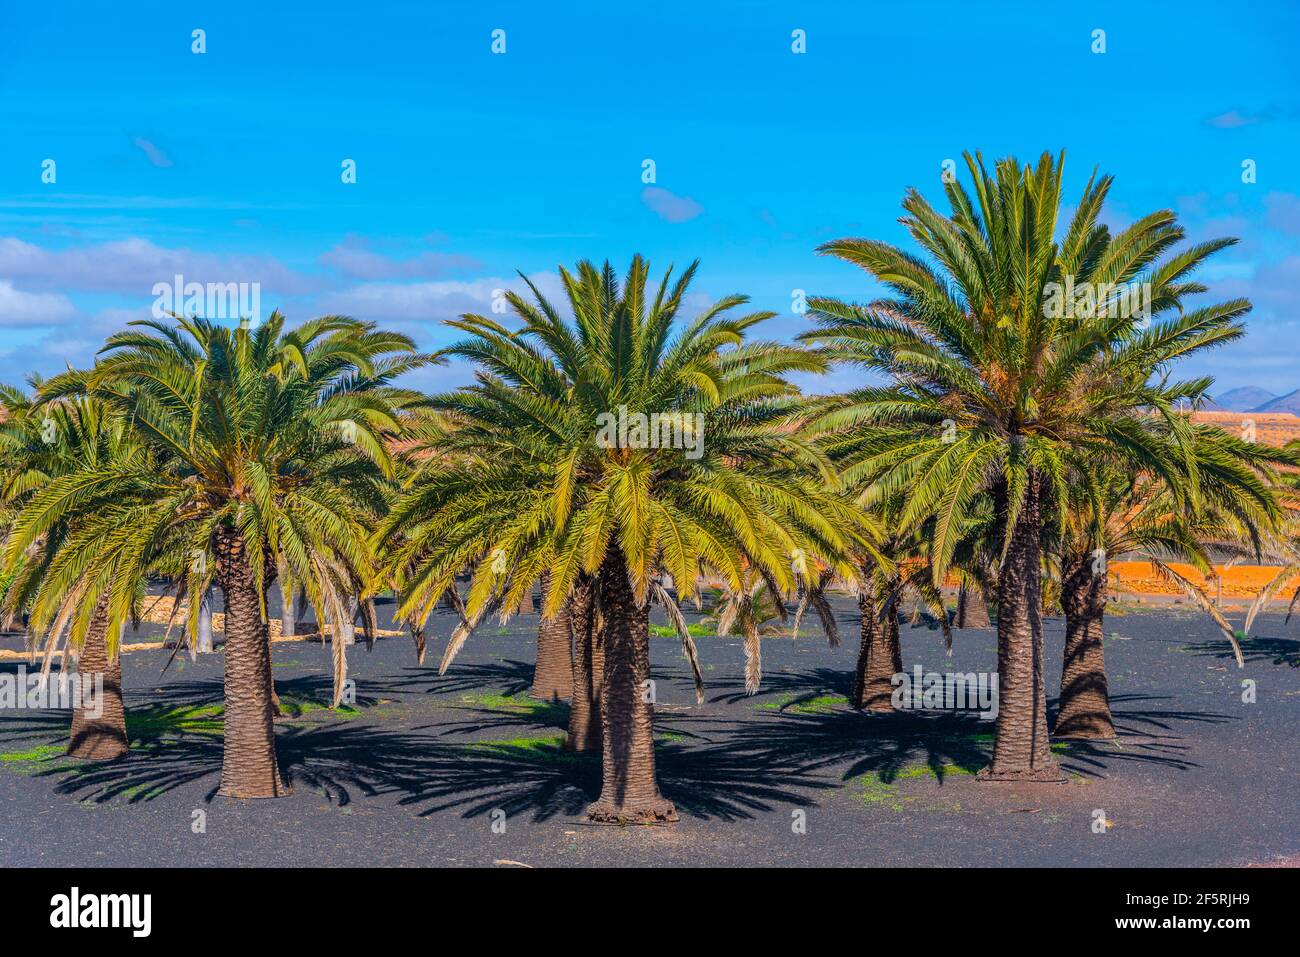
(426, 766)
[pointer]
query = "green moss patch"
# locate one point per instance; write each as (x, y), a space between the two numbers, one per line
(794, 704)
(160, 721)
(882, 788)
(535, 749)
(291, 708)
(35, 759)
(42, 752)
(873, 792)
(519, 703)
(926, 771)
(694, 629)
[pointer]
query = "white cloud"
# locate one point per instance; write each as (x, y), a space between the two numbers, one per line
(132, 266)
(19, 308)
(431, 301)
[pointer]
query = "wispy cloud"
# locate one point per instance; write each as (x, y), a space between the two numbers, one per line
(669, 206)
(104, 201)
(1234, 119)
(355, 260)
(152, 153)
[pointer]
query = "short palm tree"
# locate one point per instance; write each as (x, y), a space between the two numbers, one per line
(531, 483)
(41, 442)
(1109, 512)
(268, 450)
(881, 592)
(752, 611)
(996, 387)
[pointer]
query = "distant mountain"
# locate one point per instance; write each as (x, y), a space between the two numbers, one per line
(1245, 399)
(1282, 403)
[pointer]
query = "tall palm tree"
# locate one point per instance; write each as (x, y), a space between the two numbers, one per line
(532, 481)
(1001, 377)
(269, 449)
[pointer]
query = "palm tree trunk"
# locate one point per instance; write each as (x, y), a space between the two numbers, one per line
(347, 630)
(879, 659)
(417, 635)
(584, 702)
(629, 789)
(972, 607)
(553, 672)
(1021, 751)
(288, 612)
(1085, 699)
(598, 661)
(101, 738)
(203, 640)
(249, 767)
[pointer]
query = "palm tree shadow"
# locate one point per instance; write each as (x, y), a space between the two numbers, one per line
(532, 715)
(712, 767)
(846, 744)
(1147, 734)
(350, 760)
(784, 690)
(1276, 651)
(948, 743)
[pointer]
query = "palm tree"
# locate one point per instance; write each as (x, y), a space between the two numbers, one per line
(897, 566)
(1002, 376)
(1109, 512)
(39, 442)
(269, 449)
(539, 477)
(880, 594)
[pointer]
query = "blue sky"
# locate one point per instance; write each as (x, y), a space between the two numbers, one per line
(226, 166)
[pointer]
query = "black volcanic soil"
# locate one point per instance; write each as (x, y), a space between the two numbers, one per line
(419, 772)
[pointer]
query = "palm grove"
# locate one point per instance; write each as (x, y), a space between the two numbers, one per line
(1009, 447)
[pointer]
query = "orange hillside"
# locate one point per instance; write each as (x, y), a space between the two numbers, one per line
(1239, 581)
(1273, 428)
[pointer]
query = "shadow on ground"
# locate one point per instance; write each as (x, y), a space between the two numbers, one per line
(1275, 651)
(799, 740)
